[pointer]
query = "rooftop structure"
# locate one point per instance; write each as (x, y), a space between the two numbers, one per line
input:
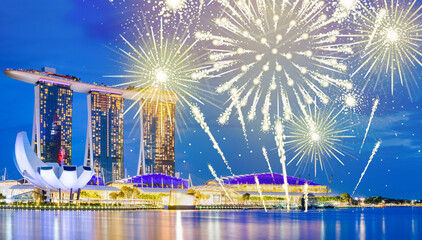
(34, 76)
(269, 183)
(265, 178)
(156, 180)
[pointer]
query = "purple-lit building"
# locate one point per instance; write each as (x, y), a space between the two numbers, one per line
(156, 180)
(270, 183)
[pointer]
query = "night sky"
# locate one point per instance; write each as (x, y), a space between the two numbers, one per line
(75, 37)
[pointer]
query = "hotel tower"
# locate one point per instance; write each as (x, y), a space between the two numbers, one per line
(52, 128)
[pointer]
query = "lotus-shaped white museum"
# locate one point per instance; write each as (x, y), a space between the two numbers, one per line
(48, 176)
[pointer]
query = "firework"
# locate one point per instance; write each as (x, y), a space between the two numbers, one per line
(377, 145)
(387, 40)
(265, 153)
(275, 46)
(258, 187)
(199, 117)
(374, 108)
(182, 12)
(219, 182)
(279, 140)
(344, 8)
(163, 67)
(316, 136)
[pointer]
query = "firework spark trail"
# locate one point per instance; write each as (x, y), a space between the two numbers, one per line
(377, 145)
(306, 192)
(260, 192)
(279, 139)
(224, 117)
(252, 111)
(266, 122)
(378, 21)
(287, 110)
(374, 108)
(219, 181)
(264, 152)
(235, 93)
(199, 117)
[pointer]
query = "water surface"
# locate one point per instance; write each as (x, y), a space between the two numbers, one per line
(371, 223)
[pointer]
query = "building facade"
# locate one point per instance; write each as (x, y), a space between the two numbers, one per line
(104, 149)
(52, 126)
(158, 132)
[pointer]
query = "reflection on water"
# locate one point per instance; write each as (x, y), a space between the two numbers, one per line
(388, 223)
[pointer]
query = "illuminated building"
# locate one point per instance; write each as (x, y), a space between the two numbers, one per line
(156, 180)
(272, 183)
(158, 126)
(104, 149)
(48, 176)
(52, 126)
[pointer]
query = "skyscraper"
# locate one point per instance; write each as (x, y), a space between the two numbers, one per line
(52, 127)
(52, 133)
(104, 149)
(158, 125)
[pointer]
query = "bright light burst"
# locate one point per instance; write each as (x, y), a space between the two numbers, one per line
(164, 68)
(175, 4)
(267, 48)
(184, 13)
(317, 136)
(388, 38)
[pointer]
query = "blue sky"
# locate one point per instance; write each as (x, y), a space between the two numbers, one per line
(73, 36)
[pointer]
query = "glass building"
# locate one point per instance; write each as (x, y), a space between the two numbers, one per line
(52, 129)
(158, 124)
(104, 149)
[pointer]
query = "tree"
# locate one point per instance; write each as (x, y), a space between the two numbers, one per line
(121, 195)
(136, 193)
(114, 195)
(345, 196)
(246, 196)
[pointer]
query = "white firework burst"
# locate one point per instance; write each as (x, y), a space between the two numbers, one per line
(387, 40)
(316, 137)
(267, 48)
(164, 66)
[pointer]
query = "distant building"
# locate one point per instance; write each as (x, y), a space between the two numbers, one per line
(52, 126)
(104, 149)
(158, 124)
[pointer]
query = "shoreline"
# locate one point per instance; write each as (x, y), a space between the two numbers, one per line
(142, 208)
